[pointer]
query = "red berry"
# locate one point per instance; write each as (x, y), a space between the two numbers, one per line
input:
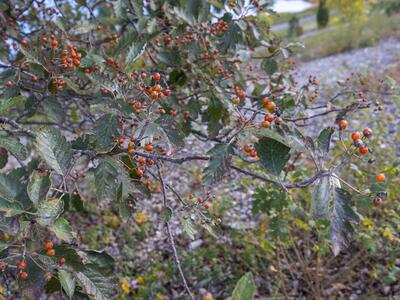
(355, 136)
(156, 76)
(22, 275)
(48, 245)
(22, 264)
(363, 150)
(61, 261)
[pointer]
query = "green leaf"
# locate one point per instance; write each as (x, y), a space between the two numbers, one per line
(107, 180)
(266, 199)
(218, 165)
(270, 66)
(324, 139)
(54, 149)
(332, 203)
(215, 116)
(49, 211)
(245, 287)
(67, 282)
(6, 104)
(90, 60)
(13, 197)
(95, 284)
(188, 227)
(172, 130)
(63, 230)
(106, 132)
(38, 187)
(135, 51)
(166, 214)
(3, 6)
(53, 109)
(125, 204)
(273, 154)
(231, 37)
(14, 146)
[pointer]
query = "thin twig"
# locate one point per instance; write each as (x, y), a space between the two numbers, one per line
(171, 237)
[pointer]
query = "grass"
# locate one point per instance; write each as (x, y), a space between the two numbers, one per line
(341, 38)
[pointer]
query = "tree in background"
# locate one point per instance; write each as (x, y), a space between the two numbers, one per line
(322, 14)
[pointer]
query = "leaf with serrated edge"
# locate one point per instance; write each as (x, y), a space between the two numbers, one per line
(106, 132)
(107, 180)
(218, 164)
(54, 149)
(244, 289)
(62, 230)
(273, 154)
(38, 187)
(95, 284)
(331, 202)
(67, 282)
(14, 146)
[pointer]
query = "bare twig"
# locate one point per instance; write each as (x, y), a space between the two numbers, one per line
(171, 237)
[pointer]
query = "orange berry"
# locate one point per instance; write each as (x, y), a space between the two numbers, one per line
(149, 148)
(156, 76)
(343, 124)
(110, 60)
(22, 264)
(61, 261)
(22, 275)
(9, 83)
(24, 43)
(265, 101)
(253, 153)
(271, 106)
(235, 101)
(157, 88)
(142, 160)
(380, 177)
(363, 150)
(131, 151)
(139, 172)
(265, 124)
(355, 136)
(35, 78)
(48, 245)
(269, 117)
(51, 252)
(76, 62)
(48, 277)
(154, 95)
(241, 94)
(54, 44)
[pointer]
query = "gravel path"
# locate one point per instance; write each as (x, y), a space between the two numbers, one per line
(329, 69)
